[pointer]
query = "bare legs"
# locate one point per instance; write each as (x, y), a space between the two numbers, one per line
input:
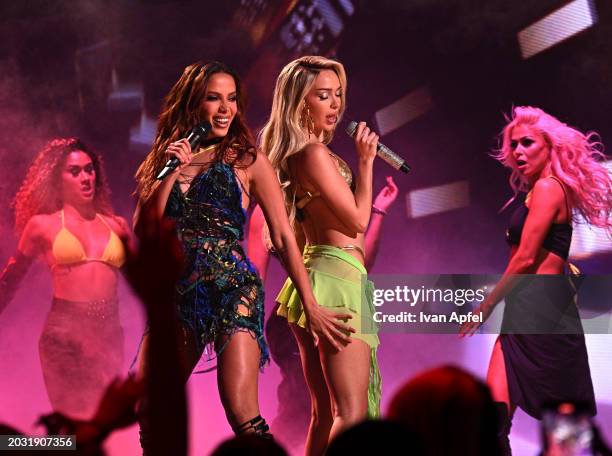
(237, 378)
(237, 375)
(496, 376)
(338, 385)
(322, 418)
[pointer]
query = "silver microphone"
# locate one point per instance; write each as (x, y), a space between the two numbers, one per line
(382, 151)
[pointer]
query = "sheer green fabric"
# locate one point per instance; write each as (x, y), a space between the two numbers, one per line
(339, 282)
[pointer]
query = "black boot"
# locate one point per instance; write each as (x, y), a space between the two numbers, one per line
(257, 426)
(143, 425)
(503, 430)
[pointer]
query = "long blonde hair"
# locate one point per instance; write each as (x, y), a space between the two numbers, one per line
(576, 159)
(285, 134)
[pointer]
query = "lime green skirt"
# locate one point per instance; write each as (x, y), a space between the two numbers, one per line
(339, 283)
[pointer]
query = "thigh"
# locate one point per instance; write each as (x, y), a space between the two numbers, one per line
(238, 354)
(188, 351)
(311, 365)
(238, 330)
(347, 374)
(238, 375)
(496, 375)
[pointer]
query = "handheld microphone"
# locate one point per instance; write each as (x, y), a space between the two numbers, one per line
(195, 137)
(382, 151)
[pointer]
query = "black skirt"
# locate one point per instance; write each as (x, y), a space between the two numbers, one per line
(543, 344)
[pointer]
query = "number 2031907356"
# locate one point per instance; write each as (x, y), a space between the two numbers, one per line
(49, 442)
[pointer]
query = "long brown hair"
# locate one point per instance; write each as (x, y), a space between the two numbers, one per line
(181, 112)
(40, 192)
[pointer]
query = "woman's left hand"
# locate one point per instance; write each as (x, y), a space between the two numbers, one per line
(386, 197)
(470, 327)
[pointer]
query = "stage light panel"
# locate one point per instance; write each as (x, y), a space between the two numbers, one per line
(558, 26)
(435, 200)
(143, 134)
(403, 110)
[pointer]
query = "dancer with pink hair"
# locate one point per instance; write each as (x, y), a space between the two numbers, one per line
(540, 358)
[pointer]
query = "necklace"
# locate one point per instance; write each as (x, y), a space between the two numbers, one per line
(201, 151)
(186, 178)
(205, 149)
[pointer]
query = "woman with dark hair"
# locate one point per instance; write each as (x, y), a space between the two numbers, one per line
(541, 357)
(64, 215)
(219, 296)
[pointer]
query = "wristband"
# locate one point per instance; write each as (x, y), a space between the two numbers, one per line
(378, 211)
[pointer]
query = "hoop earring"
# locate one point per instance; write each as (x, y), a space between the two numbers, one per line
(307, 118)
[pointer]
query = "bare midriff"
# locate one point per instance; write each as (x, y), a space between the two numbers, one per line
(329, 230)
(83, 282)
(546, 262)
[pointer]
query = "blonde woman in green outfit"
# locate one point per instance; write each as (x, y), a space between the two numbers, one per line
(329, 209)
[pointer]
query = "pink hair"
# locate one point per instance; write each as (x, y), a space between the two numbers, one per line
(575, 159)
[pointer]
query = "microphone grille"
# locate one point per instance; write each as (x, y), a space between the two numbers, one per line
(350, 129)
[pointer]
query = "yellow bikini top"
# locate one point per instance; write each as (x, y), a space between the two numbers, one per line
(67, 249)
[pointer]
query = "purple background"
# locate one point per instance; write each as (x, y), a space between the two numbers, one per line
(57, 64)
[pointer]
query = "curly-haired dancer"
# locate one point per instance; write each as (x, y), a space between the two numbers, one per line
(63, 214)
(541, 356)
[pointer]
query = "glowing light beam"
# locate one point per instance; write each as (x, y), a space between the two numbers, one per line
(558, 26)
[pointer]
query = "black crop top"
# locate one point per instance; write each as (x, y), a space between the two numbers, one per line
(557, 240)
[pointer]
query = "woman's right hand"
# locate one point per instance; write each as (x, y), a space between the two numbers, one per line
(322, 322)
(365, 142)
(180, 150)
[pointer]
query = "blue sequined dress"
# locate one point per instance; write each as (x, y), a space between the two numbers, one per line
(219, 291)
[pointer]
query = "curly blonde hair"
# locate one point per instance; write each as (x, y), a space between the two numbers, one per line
(575, 158)
(40, 192)
(284, 134)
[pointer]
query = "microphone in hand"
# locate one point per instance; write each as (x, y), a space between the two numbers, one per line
(383, 151)
(195, 136)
